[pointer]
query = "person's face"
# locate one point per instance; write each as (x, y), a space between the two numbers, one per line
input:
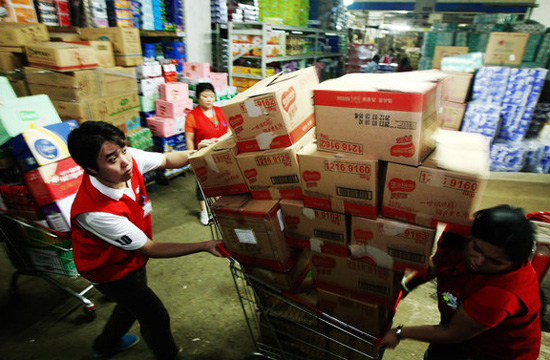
(114, 165)
(484, 257)
(206, 99)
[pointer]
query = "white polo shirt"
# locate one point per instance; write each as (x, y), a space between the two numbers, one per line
(111, 227)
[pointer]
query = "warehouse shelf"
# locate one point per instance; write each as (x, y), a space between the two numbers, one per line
(314, 36)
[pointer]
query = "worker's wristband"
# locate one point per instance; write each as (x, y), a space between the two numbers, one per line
(398, 332)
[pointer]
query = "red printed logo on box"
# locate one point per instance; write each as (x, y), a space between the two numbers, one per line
(311, 177)
(292, 222)
(288, 98)
(201, 173)
(396, 184)
(236, 123)
(363, 235)
(405, 150)
(251, 174)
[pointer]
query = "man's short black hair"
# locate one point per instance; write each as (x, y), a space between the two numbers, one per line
(202, 87)
(376, 58)
(85, 142)
(506, 227)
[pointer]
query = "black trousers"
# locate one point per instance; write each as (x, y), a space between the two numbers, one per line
(136, 301)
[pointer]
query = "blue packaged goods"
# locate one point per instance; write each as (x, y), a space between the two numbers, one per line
(515, 122)
(482, 119)
(38, 146)
(507, 156)
(490, 84)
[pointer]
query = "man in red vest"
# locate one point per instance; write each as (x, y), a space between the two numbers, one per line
(112, 236)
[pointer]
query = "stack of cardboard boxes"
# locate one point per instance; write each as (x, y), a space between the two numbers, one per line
(361, 202)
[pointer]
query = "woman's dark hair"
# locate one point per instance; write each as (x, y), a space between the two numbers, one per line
(202, 87)
(506, 227)
(85, 142)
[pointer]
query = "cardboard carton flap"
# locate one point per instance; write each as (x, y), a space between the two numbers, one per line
(420, 83)
(460, 152)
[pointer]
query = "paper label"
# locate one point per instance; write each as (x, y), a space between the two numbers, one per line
(246, 236)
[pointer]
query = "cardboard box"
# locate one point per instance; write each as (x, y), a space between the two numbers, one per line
(81, 85)
(391, 244)
(54, 181)
(12, 34)
(274, 173)
(456, 87)
(126, 43)
(24, 112)
(370, 318)
(106, 108)
(389, 117)
(217, 170)
(505, 48)
(342, 183)
(61, 56)
(6, 91)
(58, 214)
(253, 232)
(286, 281)
(312, 229)
(274, 113)
(174, 91)
(355, 279)
(196, 70)
(10, 61)
(103, 50)
(452, 114)
(166, 126)
(40, 146)
(64, 36)
(441, 52)
(447, 187)
(173, 109)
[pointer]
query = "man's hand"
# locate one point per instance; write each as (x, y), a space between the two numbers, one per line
(211, 247)
(207, 142)
(390, 340)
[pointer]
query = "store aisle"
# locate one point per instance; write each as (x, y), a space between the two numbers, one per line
(43, 323)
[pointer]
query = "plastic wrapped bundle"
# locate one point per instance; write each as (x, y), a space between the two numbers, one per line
(490, 84)
(482, 119)
(537, 156)
(461, 38)
(515, 121)
(543, 52)
(436, 38)
(545, 158)
(477, 41)
(532, 47)
(425, 63)
(507, 156)
(470, 62)
(540, 117)
(495, 18)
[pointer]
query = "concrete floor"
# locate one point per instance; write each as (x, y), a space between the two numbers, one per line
(40, 322)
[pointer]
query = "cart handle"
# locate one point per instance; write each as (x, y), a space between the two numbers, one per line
(222, 250)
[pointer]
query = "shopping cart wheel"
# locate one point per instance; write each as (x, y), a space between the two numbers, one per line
(90, 312)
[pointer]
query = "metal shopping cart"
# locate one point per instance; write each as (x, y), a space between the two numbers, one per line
(286, 326)
(38, 251)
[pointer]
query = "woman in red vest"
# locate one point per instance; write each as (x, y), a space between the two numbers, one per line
(487, 290)
(205, 122)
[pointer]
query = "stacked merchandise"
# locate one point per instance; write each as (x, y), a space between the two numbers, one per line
(195, 73)
(242, 11)
(120, 13)
(454, 96)
(218, 11)
(536, 34)
(53, 12)
(502, 107)
(149, 77)
(150, 15)
(543, 54)
(287, 12)
(95, 14)
(439, 35)
(46, 178)
(20, 11)
(331, 14)
(174, 15)
(330, 192)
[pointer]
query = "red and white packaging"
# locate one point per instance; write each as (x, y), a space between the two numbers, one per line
(391, 243)
(274, 173)
(196, 70)
(389, 117)
(447, 187)
(166, 126)
(313, 229)
(339, 182)
(54, 181)
(274, 113)
(217, 170)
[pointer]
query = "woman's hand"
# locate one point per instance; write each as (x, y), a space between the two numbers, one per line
(390, 340)
(207, 142)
